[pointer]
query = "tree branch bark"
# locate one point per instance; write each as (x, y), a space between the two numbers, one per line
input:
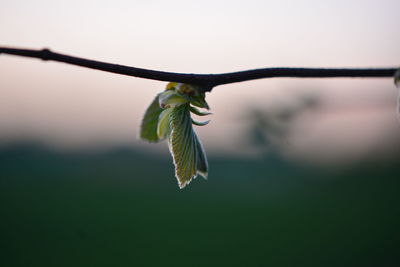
(206, 81)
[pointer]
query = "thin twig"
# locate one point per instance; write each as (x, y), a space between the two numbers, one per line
(206, 81)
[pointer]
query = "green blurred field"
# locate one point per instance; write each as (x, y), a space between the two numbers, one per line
(124, 208)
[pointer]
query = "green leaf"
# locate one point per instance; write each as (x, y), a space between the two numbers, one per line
(199, 100)
(198, 112)
(186, 149)
(170, 99)
(200, 123)
(202, 164)
(163, 127)
(397, 78)
(397, 83)
(172, 86)
(148, 127)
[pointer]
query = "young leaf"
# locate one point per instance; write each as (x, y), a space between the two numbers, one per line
(199, 101)
(199, 123)
(397, 83)
(202, 164)
(148, 127)
(196, 111)
(170, 99)
(397, 78)
(163, 127)
(171, 86)
(187, 152)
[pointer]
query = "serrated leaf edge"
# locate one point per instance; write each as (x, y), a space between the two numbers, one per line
(197, 143)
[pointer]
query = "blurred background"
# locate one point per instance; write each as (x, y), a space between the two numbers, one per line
(302, 171)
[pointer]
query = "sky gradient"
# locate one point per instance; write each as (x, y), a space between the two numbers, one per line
(71, 107)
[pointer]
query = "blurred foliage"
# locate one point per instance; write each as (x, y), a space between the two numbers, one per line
(123, 208)
(268, 129)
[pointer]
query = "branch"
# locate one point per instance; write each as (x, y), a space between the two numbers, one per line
(206, 81)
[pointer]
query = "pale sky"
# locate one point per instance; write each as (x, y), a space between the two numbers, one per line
(68, 106)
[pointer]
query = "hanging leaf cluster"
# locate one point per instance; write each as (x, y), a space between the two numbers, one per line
(169, 117)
